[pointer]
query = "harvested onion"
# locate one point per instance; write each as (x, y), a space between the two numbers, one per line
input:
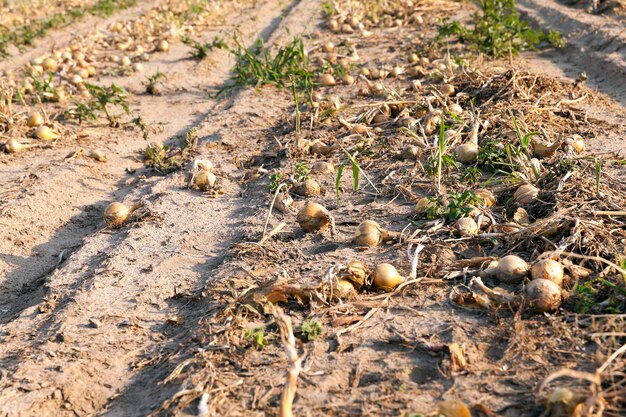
(467, 152)
(327, 80)
(543, 295)
(344, 289)
(35, 119)
(313, 217)
(45, 133)
(386, 277)
(307, 188)
(548, 269)
(525, 194)
(369, 233)
(204, 180)
(487, 196)
(116, 214)
(511, 269)
(13, 146)
(322, 168)
(466, 226)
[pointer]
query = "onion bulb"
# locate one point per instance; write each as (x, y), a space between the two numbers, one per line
(411, 152)
(333, 25)
(116, 214)
(578, 143)
(284, 203)
(511, 269)
(355, 272)
(348, 79)
(543, 295)
(386, 277)
(455, 109)
(203, 165)
(163, 46)
(97, 155)
(467, 152)
(322, 168)
(50, 65)
(327, 80)
(320, 148)
(548, 269)
(344, 289)
(487, 196)
(448, 90)
(13, 146)
(45, 133)
(35, 119)
(422, 206)
(466, 226)
(328, 46)
(369, 233)
(204, 180)
(525, 194)
(313, 217)
(307, 188)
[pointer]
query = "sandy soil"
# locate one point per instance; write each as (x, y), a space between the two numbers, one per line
(145, 319)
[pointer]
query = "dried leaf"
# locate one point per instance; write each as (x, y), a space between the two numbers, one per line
(457, 357)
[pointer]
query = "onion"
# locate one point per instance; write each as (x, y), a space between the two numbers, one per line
(307, 188)
(488, 198)
(348, 79)
(369, 233)
(50, 65)
(203, 165)
(411, 152)
(116, 214)
(320, 148)
(448, 90)
(455, 109)
(422, 206)
(13, 146)
(97, 155)
(322, 168)
(548, 269)
(543, 295)
(35, 119)
(327, 80)
(511, 269)
(413, 58)
(76, 79)
(333, 25)
(355, 272)
(467, 152)
(45, 133)
(163, 46)
(313, 217)
(578, 143)
(344, 289)
(386, 277)
(204, 180)
(359, 129)
(525, 194)
(328, 46)
(284, 203)
(126, 61)
(466, 226)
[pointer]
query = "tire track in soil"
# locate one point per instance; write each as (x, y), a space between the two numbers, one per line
(595, 44)
(110, 302)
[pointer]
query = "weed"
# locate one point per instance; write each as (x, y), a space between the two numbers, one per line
(310, 329)
(456, 205)
(44, 86)
(257, 66)
(165, 159)
(497, 30)
(328, 9)
(523, 151)
(439, 160)
(102, 99)
(143, 127)
(153, 81)
(491, 156)
(276, 179)
(301, 171)
(599, 295)
(471, 174)
(598, 170)
(202, 50)
(257, 337)
(356, 170)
